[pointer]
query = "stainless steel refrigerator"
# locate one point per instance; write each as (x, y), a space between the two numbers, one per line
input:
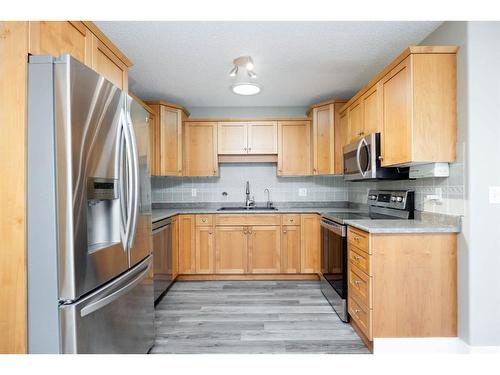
(90, 284)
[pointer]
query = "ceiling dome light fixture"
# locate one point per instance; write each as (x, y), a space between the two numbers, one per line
(245, 88)
(240, 85)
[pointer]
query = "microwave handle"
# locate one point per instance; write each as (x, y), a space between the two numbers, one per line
(358, 152)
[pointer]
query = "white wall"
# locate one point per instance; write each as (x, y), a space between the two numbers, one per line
(479, 130)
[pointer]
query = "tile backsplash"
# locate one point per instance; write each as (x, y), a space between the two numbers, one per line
(232, 180)
(233, 177)
(452, 190)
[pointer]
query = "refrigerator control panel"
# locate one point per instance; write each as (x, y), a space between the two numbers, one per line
(102, 188)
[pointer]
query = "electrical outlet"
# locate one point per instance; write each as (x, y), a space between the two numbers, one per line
(193, 192)
(302, 192)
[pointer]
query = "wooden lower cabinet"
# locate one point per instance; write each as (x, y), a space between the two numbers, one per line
(231, 249)
(310, 243)
(264, 249)
(403, 285)
(175, 247)
(187, 245)
(290, 249)
(204, 259)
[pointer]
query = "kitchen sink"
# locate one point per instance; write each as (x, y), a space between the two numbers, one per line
(251, 208)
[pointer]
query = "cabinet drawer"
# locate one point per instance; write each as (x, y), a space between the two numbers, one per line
(204, 220)
(362, 316)
(247, 219)
(359, 258)
(359, 239)
(359, 286)
(290, 219)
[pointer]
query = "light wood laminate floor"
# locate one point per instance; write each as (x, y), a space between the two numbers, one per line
(250, 317)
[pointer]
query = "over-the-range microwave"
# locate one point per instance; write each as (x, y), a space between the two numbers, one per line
(362, 161)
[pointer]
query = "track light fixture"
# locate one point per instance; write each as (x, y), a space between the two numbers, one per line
(242, 87)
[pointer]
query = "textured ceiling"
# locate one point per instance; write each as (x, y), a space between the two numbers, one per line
(297, 63)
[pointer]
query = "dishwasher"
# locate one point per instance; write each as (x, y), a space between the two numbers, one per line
(162, 257)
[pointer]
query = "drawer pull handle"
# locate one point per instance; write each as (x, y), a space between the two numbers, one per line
(204, 219)
(357, 311)
(356, 258)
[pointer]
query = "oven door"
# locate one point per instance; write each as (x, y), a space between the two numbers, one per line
(334, 266)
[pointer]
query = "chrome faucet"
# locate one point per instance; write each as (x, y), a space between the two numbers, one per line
(248, 201)
(269, 204)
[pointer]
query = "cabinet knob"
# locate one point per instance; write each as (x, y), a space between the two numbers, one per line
(380, 157)
(204, 219)
(249, 149)
(284, 231)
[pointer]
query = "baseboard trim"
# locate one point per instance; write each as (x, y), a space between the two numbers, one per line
(271, 277)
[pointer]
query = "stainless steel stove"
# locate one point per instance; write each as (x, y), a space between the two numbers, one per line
(382, 205)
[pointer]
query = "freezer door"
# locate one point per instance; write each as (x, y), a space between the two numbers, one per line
(140, 242)
(88, 116)
(118, 318)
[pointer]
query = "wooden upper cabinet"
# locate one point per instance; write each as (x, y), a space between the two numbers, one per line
(264, 249)
(232, 138)
(231, 249)
(355, 119)
(83, 41)
(241, 138)
(412, 103)
(323, 139)
(106, 63)
(60, 37)
(167, 139)
(200, 149)
(262, 137)
(396, 110)
(294, 148)
(341, 139)
(371, 111)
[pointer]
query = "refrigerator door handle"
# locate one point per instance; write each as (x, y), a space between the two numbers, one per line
(135, 187)
(126, 180)
(89, 309)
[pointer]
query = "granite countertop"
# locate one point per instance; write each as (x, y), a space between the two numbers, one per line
(424, 222)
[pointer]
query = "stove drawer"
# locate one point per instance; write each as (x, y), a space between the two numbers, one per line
(358, 238)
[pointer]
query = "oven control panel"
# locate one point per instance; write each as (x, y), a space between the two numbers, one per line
(399, 199)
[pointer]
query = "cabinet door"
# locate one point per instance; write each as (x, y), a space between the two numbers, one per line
(263, 137)
(323, 140)
(154, 153)
(232, 138)
(294, 148)
(106, 63)
(290, 249)
(204, 250)
(187, 249)
(371, 111)
(175, 247)
(341, 139)
(231, 250)
(310, 243)
(355, 115)
(396, 114)
(170, 127)
(59, 37)
(200, 144)
(264, 249)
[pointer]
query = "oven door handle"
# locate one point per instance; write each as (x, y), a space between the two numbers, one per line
(337, 229)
